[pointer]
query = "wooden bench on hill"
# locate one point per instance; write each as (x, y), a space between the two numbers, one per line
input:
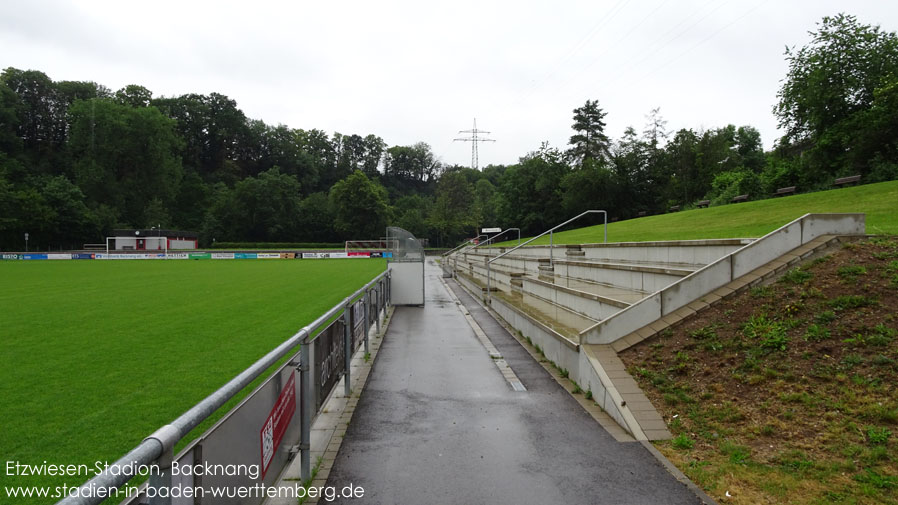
(843, 181)
(703, 204)
(788, 190)
(740, 198)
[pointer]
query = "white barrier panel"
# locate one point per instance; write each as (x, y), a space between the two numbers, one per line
(407, 283)
(268, 256)
(222, 256)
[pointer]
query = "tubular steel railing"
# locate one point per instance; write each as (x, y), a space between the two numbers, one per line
(494, 237)
(550, 232)
(469, 243)
(156, 451)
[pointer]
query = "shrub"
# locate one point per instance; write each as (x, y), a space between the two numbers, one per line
(730, 183)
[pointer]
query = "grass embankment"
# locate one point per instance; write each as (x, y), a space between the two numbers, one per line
(745, 220)
(787, 393)
(99, 354)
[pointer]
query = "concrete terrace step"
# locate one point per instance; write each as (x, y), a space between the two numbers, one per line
(558, 318)
(679, 269)
(608, 294)
(627, 277)
(672, 252)
(603, 291)
(582, 302)
(573, 257)
(589, 305)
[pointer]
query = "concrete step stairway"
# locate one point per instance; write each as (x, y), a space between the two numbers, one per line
(569, 292)
(550, 302)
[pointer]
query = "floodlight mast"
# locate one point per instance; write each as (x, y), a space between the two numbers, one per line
(474, 140)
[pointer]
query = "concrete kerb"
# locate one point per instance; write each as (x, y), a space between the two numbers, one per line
(494, 353)
(330, 425)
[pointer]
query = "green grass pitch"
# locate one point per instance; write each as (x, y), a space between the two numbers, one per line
(96, 355)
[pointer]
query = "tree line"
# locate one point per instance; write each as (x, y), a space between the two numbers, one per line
(77, 160)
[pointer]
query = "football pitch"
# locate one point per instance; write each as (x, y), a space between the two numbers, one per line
(96, 355)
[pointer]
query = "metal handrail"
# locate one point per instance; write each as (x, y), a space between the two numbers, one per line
(550, 231)
(494, 237)
(468, 243)
(162, 442)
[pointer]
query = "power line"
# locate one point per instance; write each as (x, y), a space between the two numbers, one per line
(614, 11)
(619, 43)
(671, 61)
(650, 48)
(474, 140)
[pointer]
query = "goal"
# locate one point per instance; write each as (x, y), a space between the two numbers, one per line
(366, 247)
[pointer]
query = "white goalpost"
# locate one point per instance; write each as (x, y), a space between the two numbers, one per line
(362, 246)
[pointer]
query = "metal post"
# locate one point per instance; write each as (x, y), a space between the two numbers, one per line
(489, 297)
(378, 290)
(161, 482)
(347, 342)
(305, 443)
(367, 325)
(551, 244)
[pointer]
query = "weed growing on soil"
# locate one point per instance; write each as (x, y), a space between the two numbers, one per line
(796, 276)
(787, 393)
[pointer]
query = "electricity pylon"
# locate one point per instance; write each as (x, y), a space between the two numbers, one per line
(474, 140)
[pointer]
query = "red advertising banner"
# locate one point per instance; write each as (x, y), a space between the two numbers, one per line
(277, 422)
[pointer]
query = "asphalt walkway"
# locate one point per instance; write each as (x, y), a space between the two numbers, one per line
(440, 423)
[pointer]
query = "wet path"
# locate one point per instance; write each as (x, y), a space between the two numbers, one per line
(438, 423)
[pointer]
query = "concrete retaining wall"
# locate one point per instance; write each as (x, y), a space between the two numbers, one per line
(577, 301)
(635, 279)
(593, 377)
(558, 349)
(500, 280)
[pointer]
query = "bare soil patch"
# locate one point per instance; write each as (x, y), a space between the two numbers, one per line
(787, 393)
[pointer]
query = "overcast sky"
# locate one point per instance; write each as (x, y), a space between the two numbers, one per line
(421, 71)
